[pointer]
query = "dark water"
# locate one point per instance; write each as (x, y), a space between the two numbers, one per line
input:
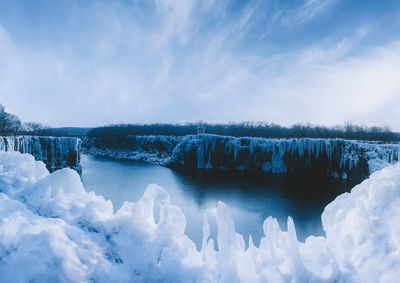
(250, 199)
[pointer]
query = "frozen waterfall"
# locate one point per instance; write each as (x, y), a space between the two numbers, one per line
(55, 152)
(330, 157)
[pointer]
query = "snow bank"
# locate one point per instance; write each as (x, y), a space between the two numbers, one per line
(51, 230)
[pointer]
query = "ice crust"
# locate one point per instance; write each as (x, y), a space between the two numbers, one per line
(52, 230)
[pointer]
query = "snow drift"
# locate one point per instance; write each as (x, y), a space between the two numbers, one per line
(52, 230)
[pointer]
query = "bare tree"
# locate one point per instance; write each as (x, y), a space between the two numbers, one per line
(9, 123)
(33, 128)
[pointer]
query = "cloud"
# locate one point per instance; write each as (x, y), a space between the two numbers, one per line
(310, 9)
(177, 61)
(351, 88)
(295, 15)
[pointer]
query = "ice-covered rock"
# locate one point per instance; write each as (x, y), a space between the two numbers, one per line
(55, 152)
(52, 230)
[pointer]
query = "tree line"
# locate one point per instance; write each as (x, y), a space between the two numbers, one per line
(252, 129)
(10, 124)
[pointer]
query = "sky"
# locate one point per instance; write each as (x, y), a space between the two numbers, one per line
(91, 63)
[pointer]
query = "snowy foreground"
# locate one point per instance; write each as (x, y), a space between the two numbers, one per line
(51, 230)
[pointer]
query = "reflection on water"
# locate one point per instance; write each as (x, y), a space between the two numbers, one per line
(250, 199)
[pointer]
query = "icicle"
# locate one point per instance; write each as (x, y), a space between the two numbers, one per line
(206, 232)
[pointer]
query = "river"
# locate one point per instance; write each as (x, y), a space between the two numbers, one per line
(250, 199)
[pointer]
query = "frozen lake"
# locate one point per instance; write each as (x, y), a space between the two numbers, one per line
(250, 199)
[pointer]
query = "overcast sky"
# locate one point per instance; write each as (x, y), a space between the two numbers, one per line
(89, 63)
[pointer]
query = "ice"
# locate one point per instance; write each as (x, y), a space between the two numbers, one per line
(152, 149)
(52, 230)
(331, 157)
(55, 152)
(364, 226)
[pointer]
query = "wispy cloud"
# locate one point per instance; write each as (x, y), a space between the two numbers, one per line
(310, 9)
(178, 61)
(293, 15)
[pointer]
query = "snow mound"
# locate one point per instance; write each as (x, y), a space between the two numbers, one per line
(52, 230)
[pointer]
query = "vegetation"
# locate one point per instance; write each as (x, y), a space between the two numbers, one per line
(9, 123)
(66, 132)
(12, 125)
(251, 129)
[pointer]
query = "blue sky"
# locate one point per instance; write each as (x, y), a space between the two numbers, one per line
(89, 63)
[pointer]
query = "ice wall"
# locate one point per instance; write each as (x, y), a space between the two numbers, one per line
(52, 230)
(330, 157)
(55, 152)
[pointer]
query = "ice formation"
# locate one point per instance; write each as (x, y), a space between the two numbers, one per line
(330, 157)
(55, 152)
(52, 230)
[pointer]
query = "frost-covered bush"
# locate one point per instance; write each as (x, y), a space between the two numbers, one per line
(52, 230)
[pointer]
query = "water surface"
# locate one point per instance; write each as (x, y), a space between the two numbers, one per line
(250, 199)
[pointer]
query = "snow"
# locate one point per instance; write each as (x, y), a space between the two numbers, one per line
(52, 230)
(151, 149)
